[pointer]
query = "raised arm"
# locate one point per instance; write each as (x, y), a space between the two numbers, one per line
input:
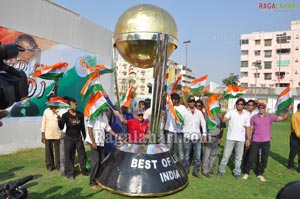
(119, 115)
(286, 115)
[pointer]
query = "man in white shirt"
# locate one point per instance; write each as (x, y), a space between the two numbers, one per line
(238, 128)
(96, 138)
(173, 130)
(193, 119)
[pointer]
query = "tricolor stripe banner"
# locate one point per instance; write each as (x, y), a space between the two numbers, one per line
(57, 102)
(95, 106)
(233, 92)
(213, 109)
(174, 87)
(102, 69)
(126, 99)
(284, 99)
(91, 86)
(53, 72)
(196, 85)
(177, 116)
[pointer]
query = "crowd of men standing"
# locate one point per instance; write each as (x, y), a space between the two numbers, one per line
(248, 136)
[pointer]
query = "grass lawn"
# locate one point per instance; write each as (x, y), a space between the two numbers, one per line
(52, 185)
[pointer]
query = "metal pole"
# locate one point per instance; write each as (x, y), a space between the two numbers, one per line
(255, 80)
(279, 63)
(186, 52)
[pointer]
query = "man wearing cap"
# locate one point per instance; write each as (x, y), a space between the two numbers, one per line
(137, 127)
(193, 119)
(261, 124)
(173, 130)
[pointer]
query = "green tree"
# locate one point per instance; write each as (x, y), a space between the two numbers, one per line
(232, 79)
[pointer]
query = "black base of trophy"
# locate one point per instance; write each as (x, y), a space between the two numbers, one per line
(142, 170)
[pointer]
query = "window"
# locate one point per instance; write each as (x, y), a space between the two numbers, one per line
(283, 51)
(268, 42)
(256, 75)
(244, 52)
(244, 63)
(267, 64)
(244, 41)
(282, 75)
(283, 39)
(244, 74)
(257, 42)
(268, 53)
(257, 52)
(268, 76)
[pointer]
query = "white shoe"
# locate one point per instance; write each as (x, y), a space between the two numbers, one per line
(261, 178)
(245, 177)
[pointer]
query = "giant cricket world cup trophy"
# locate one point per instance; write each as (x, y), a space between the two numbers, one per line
(145, 36)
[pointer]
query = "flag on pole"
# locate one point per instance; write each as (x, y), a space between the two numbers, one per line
(284, 99)
(57, 102)
(95, 106)
(174, 87)
(196, 85)
(177, 86)
(233, 92)
(177, 116)
(126, 99)
(102, 69)
(213, 109)
(53, 72)
(91, 86)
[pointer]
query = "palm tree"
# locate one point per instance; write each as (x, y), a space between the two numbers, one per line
(231, 80)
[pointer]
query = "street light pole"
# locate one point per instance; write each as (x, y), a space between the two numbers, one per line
(257, 65)
(186, 52)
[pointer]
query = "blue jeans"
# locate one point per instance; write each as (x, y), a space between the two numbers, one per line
(238, 147)
(171, 139)
(188, 145)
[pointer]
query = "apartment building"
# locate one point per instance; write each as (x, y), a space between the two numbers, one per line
(143, 78)
(271, 59)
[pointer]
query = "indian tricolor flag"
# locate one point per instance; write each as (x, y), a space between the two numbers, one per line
(53, 72)
(196, 85)
(95, 106)
(233, 92)
(174, 87)
(91, 86)
(126, 99)
(57, 102)
(213, 108)
(284, 100)
(102, 69)
(177, 116)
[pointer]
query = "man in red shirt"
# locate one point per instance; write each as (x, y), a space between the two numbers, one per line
(137, 127)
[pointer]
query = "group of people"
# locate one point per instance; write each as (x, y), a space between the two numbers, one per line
(64, 132)
(248, 136)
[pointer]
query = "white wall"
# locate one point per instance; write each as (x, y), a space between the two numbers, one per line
(47, 20)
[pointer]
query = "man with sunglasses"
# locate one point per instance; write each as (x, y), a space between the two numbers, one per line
(261, 124)
(137, 127)
(193, 119)
(238, 128)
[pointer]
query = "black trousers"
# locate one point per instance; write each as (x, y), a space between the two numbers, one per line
(294, 150)
(96, 159)
(72, 145)
(262, 164)
(52, 154)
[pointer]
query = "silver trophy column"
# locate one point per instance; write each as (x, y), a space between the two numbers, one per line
(145, 36)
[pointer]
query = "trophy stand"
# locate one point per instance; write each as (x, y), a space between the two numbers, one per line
(145, 36)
